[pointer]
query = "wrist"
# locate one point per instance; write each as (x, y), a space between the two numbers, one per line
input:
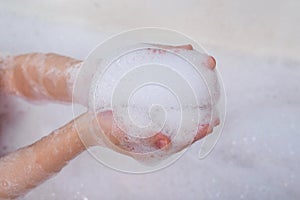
(6, 81)
(6, 75)
(84, 126)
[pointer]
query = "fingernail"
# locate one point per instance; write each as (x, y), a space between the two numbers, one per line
(161, 140)
(211, 62)
(217, 122)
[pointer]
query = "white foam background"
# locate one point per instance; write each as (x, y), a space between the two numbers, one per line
(257, 156)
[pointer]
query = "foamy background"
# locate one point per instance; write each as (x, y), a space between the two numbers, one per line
(256, 45)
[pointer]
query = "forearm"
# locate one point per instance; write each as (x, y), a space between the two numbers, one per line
(28, 167)
(38, 76)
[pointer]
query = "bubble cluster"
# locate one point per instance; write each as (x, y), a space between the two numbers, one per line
(160, 98)
(150, 90)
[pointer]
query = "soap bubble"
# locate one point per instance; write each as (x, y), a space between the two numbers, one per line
(150, 89)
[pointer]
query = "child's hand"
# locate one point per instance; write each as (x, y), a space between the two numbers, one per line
(113, 137)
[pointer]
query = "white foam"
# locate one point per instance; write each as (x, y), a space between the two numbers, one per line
(153, 91)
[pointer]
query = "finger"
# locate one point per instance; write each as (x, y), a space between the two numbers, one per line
(210, 62)
(210, 130)
(185, 47)
(216, 122)
(202, 132)
(205, 129)
(161, 140)
(125, 141)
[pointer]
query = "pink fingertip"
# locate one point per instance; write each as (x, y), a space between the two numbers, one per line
(211, 62)
(161, 140)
